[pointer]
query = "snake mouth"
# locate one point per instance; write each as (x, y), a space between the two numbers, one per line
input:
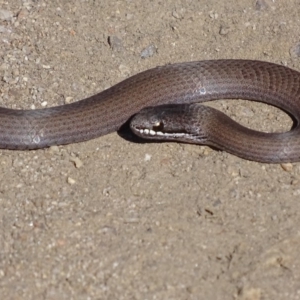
(159, 131)
(184, 137)
(159, 134)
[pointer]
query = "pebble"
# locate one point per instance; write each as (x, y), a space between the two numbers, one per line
(148, 51)
(288, 167)
(247, 112)
(129, 16)
(295, 50)
(213, 15)
(71, 180)
(224, 30)
(251, 293)
(17, 163)
(177, 15)
(261, 5)
(22, 14)
(77, 162)
(54, 149)
(68, 100)
(4, 29)
(5, 15)
(124, 70)
(295, 182)
(147, 157)
(115, 43)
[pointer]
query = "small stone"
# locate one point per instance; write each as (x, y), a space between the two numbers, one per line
(6, 79)
(68, 100)
(77, 162)
(129, 16)
(224, 30)
(71, 181)
(106, 191)
(288, 167)
(213, 15)
(124, 70)
(149, 51)
(5, 15)
(205, 151)
(247, 112)
(261, 5)
(177, 15)
(295, 50)
(251, 294)
(4, 29)
(22, 14)
(295, 182)
(17, 163)
(54, 149)
(147, 157)
(115, 43)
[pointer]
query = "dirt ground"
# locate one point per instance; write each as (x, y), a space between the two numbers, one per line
(113, 219)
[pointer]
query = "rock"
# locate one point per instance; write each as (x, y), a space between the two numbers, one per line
(148, 51)
(5, 15)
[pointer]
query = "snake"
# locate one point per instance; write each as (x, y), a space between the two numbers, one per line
(164, 103)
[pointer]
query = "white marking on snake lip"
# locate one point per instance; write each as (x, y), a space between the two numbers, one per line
(159, 133)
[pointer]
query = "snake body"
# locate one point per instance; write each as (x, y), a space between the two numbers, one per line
(183, 83)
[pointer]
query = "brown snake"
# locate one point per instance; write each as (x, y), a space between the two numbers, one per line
(182, 83)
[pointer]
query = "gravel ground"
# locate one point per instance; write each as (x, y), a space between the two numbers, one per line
(112, 219)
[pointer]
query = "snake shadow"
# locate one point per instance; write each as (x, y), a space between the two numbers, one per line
(126, 133)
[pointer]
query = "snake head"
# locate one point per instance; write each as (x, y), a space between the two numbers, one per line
(170, 123)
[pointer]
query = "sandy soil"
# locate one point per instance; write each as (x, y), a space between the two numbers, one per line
(112, 219)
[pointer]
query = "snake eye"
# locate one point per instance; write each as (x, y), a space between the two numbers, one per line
(159, 126)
